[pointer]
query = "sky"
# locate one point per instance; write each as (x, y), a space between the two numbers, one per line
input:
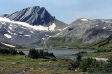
(64, 10)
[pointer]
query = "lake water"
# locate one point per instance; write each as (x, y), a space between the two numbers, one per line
(64, 53)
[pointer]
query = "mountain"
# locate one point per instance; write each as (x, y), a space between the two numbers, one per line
(23, 34)
(34, 26)
(35, 15)
(84, 31)
(29, 27)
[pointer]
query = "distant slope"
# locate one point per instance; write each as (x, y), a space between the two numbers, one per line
(89, 30)
(104, 44)
(84, 32)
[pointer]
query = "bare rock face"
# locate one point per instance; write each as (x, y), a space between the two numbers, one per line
(35, 15)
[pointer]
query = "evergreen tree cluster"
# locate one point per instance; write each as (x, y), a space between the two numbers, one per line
(35, 54)
(108, 67)
(91, 65)
(10, 51)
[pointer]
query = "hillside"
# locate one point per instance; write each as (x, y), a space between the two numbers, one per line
(82, 33)
(104, 44)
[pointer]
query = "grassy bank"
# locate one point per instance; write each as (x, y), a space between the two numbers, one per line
(10, 64)
(99, 55)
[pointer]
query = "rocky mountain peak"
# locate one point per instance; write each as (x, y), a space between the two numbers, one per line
(35, 15)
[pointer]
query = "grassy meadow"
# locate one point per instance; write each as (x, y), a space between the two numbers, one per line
(10, 64)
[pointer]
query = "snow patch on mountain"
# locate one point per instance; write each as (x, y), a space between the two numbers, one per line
(39, 28)
(10, 27)
(31, 31)
(46, 35)
(52, 27)
(8, 44)
(10, 32)
(15, 34)
(104, 27)
(8, 36)
(96, 25)
(43, 38)
(27, 35)
(84, 19)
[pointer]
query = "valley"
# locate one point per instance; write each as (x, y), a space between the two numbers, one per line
(32, 41)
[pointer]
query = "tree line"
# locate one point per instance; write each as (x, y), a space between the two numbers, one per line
(91, 65)
(10, 51)
(35, 54)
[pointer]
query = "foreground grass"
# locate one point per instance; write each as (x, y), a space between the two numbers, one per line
(10, 64)
(99, 55)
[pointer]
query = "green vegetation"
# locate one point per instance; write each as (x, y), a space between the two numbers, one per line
(10, 51)
(99, 55)
(79, 57)
(65, 43)
(10, 64)
(35, 54)
(37, 61)
(42, 62)
(91, 65)
(109, 65)
(104, 44)
(57, 42)
(75, 43)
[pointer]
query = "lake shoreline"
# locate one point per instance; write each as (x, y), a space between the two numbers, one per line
(62, 53)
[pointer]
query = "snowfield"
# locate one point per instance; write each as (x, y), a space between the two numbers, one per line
(8, 45)
(8, 36)
(39, 28)
(84, 19)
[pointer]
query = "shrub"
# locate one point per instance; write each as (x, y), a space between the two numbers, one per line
(21, 53)
(10, 51)
(88, 64)
(79, 57)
